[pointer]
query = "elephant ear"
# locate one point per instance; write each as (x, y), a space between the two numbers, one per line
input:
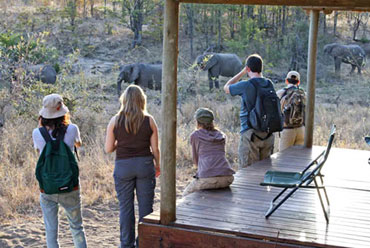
(210, 60)
(134, 73)
(329, 47)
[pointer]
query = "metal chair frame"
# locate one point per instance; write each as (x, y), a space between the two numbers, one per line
(308, 175)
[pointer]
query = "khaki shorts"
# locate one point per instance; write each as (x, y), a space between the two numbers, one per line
(253, 149)
(208, 183)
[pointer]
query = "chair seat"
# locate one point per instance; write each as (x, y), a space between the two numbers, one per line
(282, 179)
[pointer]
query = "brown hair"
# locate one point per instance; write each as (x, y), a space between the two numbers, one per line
(207, 126)
(255, 63)
(133, 109)
(59, 125)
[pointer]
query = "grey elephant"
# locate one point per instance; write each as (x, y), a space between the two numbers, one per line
(219, 64)
(45, 73)
(349, 54)
(145, 75)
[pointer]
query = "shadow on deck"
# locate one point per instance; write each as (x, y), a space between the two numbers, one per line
(234, 217)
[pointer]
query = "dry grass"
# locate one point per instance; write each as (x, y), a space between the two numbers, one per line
(94, 102)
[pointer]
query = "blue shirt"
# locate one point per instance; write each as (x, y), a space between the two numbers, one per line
(246, 90)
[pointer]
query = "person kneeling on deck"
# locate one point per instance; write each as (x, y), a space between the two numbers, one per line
(292, 103)
(208, 148)
(260, 113)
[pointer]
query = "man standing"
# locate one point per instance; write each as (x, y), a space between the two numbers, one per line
(292, 103)
(254, 145)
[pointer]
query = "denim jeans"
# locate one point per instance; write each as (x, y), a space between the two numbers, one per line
(130, 174)
(72, 205)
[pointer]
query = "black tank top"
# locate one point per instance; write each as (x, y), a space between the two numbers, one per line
(131, 145)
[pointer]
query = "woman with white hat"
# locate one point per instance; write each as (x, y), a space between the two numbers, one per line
(54, 117)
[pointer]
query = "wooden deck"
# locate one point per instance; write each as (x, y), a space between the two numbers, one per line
(234, 217)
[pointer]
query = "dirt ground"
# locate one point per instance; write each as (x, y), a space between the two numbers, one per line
(101, 223)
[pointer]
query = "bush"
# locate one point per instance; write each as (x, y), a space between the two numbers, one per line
(17, 48)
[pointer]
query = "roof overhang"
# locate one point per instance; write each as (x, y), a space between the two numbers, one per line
(324, 5)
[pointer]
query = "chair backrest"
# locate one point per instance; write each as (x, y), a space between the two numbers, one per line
(321, 161)
(367, 140)
(330, 142)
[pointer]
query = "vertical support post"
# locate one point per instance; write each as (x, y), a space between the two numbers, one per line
(168, 112)
(311, 77)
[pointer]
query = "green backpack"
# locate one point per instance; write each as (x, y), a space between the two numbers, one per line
(57, 168)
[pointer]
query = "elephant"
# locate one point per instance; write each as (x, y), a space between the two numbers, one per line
(349, 54)
(224, 64)
(45, 73)
(145, 75)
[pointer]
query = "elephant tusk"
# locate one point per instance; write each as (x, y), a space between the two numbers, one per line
(193, 66)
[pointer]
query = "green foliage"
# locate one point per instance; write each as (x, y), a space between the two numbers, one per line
(30, 48)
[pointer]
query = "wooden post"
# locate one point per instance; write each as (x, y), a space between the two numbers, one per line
(168, 112)
(311, 77)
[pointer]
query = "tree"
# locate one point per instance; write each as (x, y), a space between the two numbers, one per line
(189, 10)
(92, 2)
(71, 12)
(336, 13)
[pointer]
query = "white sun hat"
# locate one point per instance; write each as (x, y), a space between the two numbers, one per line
(53, 107)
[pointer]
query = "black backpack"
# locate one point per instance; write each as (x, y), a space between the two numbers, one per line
(293, 103)
(266, 115)
(57, 169)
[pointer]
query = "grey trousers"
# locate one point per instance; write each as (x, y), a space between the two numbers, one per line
(130, 174)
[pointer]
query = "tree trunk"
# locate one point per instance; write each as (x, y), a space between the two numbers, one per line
(335, 23)
(283, 23)
(250, 10)
(189, 10)
(92, 8)
(231, 16)
(105, 7)
(205, 21)
(136, 20)
(84, 9)
(260, 12)
(324, 23)
(114, 3)
(219, 40)
(356, 25)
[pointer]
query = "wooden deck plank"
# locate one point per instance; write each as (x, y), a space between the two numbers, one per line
(240, 209)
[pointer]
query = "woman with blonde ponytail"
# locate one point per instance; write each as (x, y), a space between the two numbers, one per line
(133, 134)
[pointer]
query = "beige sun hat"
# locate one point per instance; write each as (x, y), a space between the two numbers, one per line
(53, 107)
(293, 74)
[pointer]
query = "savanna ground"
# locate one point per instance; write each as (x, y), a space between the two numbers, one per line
(92, 100)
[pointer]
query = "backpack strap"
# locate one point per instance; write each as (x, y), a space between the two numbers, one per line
(45, 134)
(76, 152)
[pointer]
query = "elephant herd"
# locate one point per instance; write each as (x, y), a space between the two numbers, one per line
(217, 64)
(228, 65)
(150, 75)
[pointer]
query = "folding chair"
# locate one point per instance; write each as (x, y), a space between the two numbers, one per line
(303, 179)
(367, 140)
